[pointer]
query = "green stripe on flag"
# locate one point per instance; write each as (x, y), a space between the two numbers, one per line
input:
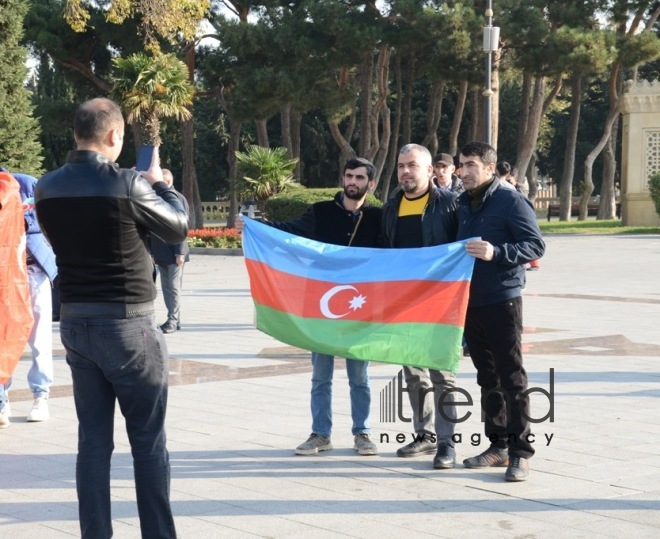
(434, 346)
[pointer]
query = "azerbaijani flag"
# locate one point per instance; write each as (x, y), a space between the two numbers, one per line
(401, 306)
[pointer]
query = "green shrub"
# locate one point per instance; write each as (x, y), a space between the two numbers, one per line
(292, 204)
(654, 188)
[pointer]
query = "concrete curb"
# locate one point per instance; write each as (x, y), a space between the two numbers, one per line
(215, 251)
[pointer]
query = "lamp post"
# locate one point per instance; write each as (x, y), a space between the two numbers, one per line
(491, 44)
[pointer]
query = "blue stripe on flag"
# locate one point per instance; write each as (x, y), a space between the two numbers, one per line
(342, 265)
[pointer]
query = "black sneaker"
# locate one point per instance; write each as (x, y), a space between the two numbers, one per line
(493, 456)
(168, 327)
(417, 449)
(518, 469)
(445, 458)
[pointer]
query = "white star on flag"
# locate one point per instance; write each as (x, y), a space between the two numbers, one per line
(357, 302)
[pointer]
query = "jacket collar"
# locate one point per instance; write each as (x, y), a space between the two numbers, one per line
(88, 156)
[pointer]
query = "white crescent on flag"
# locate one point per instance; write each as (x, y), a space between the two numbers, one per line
(325, 300)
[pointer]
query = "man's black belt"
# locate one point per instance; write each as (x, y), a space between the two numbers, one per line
(107, 310)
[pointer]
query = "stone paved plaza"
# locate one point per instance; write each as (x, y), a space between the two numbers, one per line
(239, 405)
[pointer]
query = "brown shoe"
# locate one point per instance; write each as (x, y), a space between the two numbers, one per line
(491, 457)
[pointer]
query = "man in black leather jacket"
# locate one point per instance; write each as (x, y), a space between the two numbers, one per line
(418, 215)
(97, 217)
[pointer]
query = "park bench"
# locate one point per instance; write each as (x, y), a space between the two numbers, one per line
(592, 207)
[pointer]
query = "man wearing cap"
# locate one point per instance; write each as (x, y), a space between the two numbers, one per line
(443, 168)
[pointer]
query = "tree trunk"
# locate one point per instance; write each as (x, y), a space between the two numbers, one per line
(531, 179)
(189, 179)
(262, 133)
(381, 127)
(346, 151)
(523, 110)
(406, 118)
(588, 184)
(394, 139)
(607, 203)
(458, 117)
(566, 187)
(433, 114)
(190, 185)
(232, 148)
(476, 123)
(612, 117)
(366, 94)
(296, 121)
(533, 127)
(285, 123)
(495, 98)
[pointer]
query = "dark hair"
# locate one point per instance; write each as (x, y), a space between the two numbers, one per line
(358, 162)
(94, 118)
(503, 168)
(484, 151)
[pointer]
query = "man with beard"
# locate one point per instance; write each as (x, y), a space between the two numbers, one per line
(420, 214)
(346, 220)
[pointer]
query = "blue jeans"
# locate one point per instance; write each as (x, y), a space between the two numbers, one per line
(123, 360)
(40, 375)
(358, 380)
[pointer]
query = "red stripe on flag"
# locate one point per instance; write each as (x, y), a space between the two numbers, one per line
(384, 302)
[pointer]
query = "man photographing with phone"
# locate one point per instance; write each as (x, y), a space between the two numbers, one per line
(97, 217)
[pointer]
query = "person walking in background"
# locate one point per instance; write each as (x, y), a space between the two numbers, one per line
(346, 220)
(509, 237)
(170, 259)
(15, 308)
(420, 214)
(97, 217)
(42, 271)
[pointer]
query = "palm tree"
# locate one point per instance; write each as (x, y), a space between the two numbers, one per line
(264, 172)
(150, 88)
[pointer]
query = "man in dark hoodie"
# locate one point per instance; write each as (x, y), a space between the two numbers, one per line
(509, 237)
(346, 220)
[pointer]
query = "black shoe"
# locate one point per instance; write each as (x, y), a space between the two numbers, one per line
(493, 456)
(417, 449)
(178, 326)
(518, 469)
(445, 458)
(168, 327)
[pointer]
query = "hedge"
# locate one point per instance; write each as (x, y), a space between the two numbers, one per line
(292, 204)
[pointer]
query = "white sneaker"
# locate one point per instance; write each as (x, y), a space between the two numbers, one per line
(7, 409)
(39, 410)
(4, 418)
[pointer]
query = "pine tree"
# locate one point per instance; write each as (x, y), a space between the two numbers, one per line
(20, 149)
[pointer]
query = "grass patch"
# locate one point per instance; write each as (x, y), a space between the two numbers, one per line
(591, 226)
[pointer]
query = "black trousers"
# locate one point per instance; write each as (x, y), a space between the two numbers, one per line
(494, 337)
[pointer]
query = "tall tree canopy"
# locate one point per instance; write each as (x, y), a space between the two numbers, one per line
(20, 149)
